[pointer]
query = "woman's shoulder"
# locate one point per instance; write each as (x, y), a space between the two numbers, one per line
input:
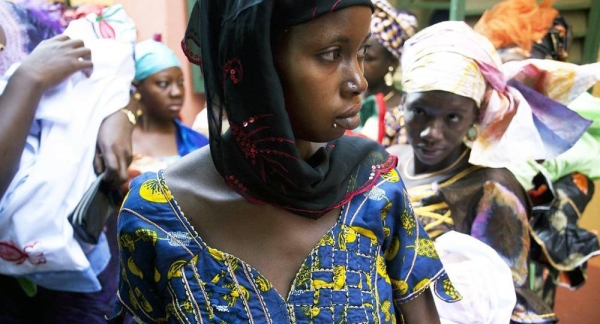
(371, 209)
(195, 175)
(500, 176)
(148, 196)
(402, 151)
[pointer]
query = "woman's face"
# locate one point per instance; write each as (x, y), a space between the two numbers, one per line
(377, 63)
(436, 124)
(163, 93)
(320, 65)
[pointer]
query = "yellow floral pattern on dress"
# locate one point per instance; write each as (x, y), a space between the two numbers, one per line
(346, 278)
(391, 176)
(151, 191)
(133, 269)
(408, 223)
(391, 252)
(147, 235)
(263, 284)
(449, 289)
(426, 248)
(400, 286)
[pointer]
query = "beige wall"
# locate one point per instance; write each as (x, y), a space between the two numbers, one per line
(168, 18)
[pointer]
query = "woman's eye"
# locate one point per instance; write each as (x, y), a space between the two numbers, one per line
(418, 111)
(331, 56)
(180, 83)
(162, 84)
(362, 52)
(454, 118)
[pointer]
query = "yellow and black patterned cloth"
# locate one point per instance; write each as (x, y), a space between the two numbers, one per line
(360, 271)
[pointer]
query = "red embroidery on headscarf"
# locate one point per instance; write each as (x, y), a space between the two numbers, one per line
(191, 56)
(233, 71)
(257, 149)
(335, 5)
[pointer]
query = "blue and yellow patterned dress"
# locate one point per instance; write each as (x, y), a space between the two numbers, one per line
(376, 257)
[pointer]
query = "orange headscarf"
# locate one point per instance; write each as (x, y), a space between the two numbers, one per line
(517, 23)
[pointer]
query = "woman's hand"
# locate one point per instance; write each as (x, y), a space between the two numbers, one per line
(114, 148)
(54, 59)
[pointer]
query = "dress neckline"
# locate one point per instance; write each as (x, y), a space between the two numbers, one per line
(204, 246)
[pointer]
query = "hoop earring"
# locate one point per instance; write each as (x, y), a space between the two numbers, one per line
(472, 134)
(389, 77)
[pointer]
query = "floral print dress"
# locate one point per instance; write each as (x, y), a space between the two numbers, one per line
(376, 257)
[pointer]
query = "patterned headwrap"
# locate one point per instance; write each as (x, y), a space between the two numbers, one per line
(516, 123)
(152, 57)
(392, 27)
(258, 157)
(25, 28)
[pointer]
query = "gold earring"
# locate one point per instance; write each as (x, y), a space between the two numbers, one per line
(389, 77)
(137, 97)
(472, 134)
(1, 47)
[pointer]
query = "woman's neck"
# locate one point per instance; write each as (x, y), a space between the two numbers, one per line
(308, 149)
(457, 158)
(153, 125)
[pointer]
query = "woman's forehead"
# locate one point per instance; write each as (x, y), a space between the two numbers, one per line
(340, 26)
(442, 100)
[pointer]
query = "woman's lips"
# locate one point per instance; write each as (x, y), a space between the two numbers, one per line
(348, 123)
(351, 120)
(429, 152)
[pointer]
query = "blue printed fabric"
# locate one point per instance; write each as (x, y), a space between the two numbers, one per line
(376, 257)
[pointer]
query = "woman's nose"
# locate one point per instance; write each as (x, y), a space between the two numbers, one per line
(356, 83)
(176, 90)
(433, 131)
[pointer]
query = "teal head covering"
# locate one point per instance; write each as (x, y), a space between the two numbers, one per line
(152, 57)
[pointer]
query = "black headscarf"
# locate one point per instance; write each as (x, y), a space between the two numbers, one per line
(257, 156)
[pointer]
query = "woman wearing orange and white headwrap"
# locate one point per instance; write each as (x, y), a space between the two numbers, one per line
(465, 123)
(381, 113)
(522, 29)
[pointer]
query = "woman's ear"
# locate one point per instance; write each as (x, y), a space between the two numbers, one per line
(392, 61)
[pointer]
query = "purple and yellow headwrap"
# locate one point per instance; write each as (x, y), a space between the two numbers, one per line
(516, 123)
(258, 156)
(25, 27)
(392, 27)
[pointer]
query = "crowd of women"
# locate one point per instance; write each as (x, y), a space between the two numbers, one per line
(356, 168)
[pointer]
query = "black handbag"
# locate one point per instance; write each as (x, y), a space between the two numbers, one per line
(96, 206)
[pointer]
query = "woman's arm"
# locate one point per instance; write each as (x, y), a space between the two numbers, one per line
(50, 62)
(420, 310)
(114, 147)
